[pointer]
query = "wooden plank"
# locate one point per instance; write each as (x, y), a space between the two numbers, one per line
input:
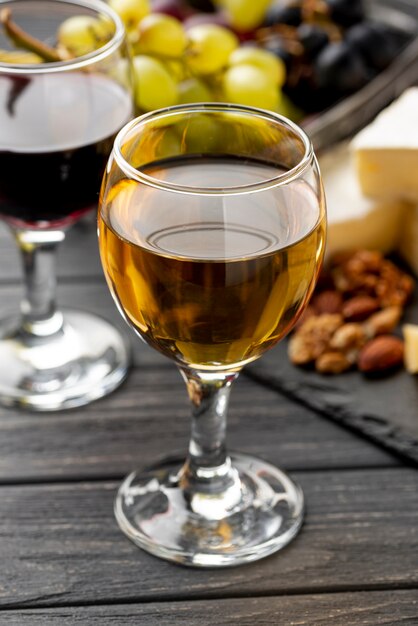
(103, 438)
(149, 417)
(339, 609)
(60, 545)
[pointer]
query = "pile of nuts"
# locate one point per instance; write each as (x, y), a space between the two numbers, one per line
(359, 301)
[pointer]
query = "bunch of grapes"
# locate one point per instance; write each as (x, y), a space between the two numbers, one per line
(177, 63)
(330, 47)
(289, 56)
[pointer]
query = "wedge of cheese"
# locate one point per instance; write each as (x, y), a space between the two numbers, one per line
(410, 333)
(408, 247)
(353, 220)
(386, 151)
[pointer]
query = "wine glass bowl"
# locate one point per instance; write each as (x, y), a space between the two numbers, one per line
(58, 120)
(211, 232)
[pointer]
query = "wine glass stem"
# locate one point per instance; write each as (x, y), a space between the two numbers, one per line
(38, 307)
(208, 471)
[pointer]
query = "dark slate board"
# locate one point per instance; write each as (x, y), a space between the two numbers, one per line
(382, 409)
(385, 410)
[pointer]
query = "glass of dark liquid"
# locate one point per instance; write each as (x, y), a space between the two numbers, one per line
(212, 233)
(58, 120)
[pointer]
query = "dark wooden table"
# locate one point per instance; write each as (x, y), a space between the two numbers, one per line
(64, 560)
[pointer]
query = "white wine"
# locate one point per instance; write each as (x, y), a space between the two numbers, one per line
(211, 280)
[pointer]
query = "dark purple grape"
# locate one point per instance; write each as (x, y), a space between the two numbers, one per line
(346, 12)
(374, 42)
(276, 48)
(203, 6)
(313, 39)
(205, 18)
(340, 68)
(308, 97)
(290, 14)
(175, 8)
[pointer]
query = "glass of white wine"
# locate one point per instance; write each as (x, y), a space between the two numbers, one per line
(211, 232)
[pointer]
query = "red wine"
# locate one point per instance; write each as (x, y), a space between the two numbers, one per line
(56, 133)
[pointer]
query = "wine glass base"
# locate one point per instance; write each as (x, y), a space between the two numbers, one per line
(85, 360)
(155, 513)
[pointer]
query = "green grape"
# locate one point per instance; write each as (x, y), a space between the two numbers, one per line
(155, 88)
(290, 110)
(81, 34)
(273, 67)
(104, 28)
(168, 144)
(194, 90)
(245, 15)
(209, 48)
(161, 35)
(175, 68)
(246, 84)
(131, 12)
(201, 133)
(19, 56)
(122, 73)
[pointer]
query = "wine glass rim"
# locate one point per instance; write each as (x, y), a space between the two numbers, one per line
(275, 181)
(78, 62)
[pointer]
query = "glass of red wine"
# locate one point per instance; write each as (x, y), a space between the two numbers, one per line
(58, 120)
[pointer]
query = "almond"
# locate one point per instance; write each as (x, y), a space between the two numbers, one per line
(380, 354)
(359, 308)
(329, 301)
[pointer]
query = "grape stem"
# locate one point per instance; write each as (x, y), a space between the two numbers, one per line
(22, 39)
(16, 90)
